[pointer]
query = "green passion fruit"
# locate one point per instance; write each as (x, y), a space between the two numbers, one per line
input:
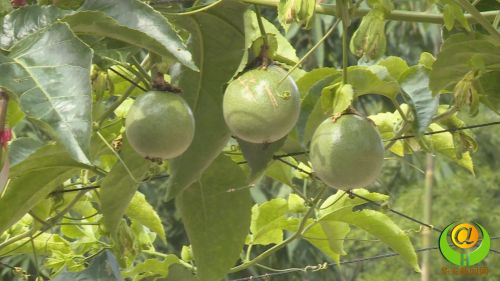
(160, 125)
(347, 152)
(258, 108)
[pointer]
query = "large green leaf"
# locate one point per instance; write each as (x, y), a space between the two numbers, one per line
(33, 179)
(140, 210)
(216, 215)
(382, 227)
(218, 58)
(49, 74)
(415, 83)
(267, 222)
(25, 21)
(129, 21)
(118, 187)
(460, 54)
(22, 148)
(134, 22)
(488, 85)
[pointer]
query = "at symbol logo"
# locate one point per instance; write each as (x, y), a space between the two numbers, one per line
(464, 236)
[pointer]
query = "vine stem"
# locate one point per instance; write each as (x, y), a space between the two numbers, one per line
(398, 15)
(320, 41)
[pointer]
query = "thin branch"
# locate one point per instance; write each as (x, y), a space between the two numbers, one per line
(398, 15)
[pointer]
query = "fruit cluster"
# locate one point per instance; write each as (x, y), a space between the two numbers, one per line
(261, 106)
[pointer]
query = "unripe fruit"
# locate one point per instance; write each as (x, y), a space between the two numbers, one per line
(258, 108)
(347, 153)
(160, 125)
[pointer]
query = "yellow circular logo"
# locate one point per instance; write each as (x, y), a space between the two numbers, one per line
(464, 235)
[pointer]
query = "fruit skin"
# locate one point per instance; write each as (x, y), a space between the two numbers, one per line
(160, 125)
(259, 109)
(347, 153)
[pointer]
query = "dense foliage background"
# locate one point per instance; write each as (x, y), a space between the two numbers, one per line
(71, 206)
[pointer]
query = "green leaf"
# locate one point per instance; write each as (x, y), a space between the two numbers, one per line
(218, 58)
(456, 59)
(296, 204)
(180, 273)
(451, 13)
(33, 179)
(382, 227)
(103, 268)
(259, 155)
(487, 86)
(49, 74)
(415, 83)
(267, 222)
(443, 144)
(340, 201)
(464, 139)
(22, 148)
(26, 21)
(388, 123)
(335, 232)
(372, 80)
(140, 210)
(131, 21)
(342, 98)
(325, 236)
(216, 216)
(426, 60)
(449, 19)
(118, 187)
(151, 268)
(395, 65)
(281, 172)
(45, 243)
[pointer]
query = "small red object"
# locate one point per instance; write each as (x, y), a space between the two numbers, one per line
(5, 136)
(17, 3)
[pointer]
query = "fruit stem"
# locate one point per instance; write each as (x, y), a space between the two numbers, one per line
(264, 50)
(344, 13)
(158, 78)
